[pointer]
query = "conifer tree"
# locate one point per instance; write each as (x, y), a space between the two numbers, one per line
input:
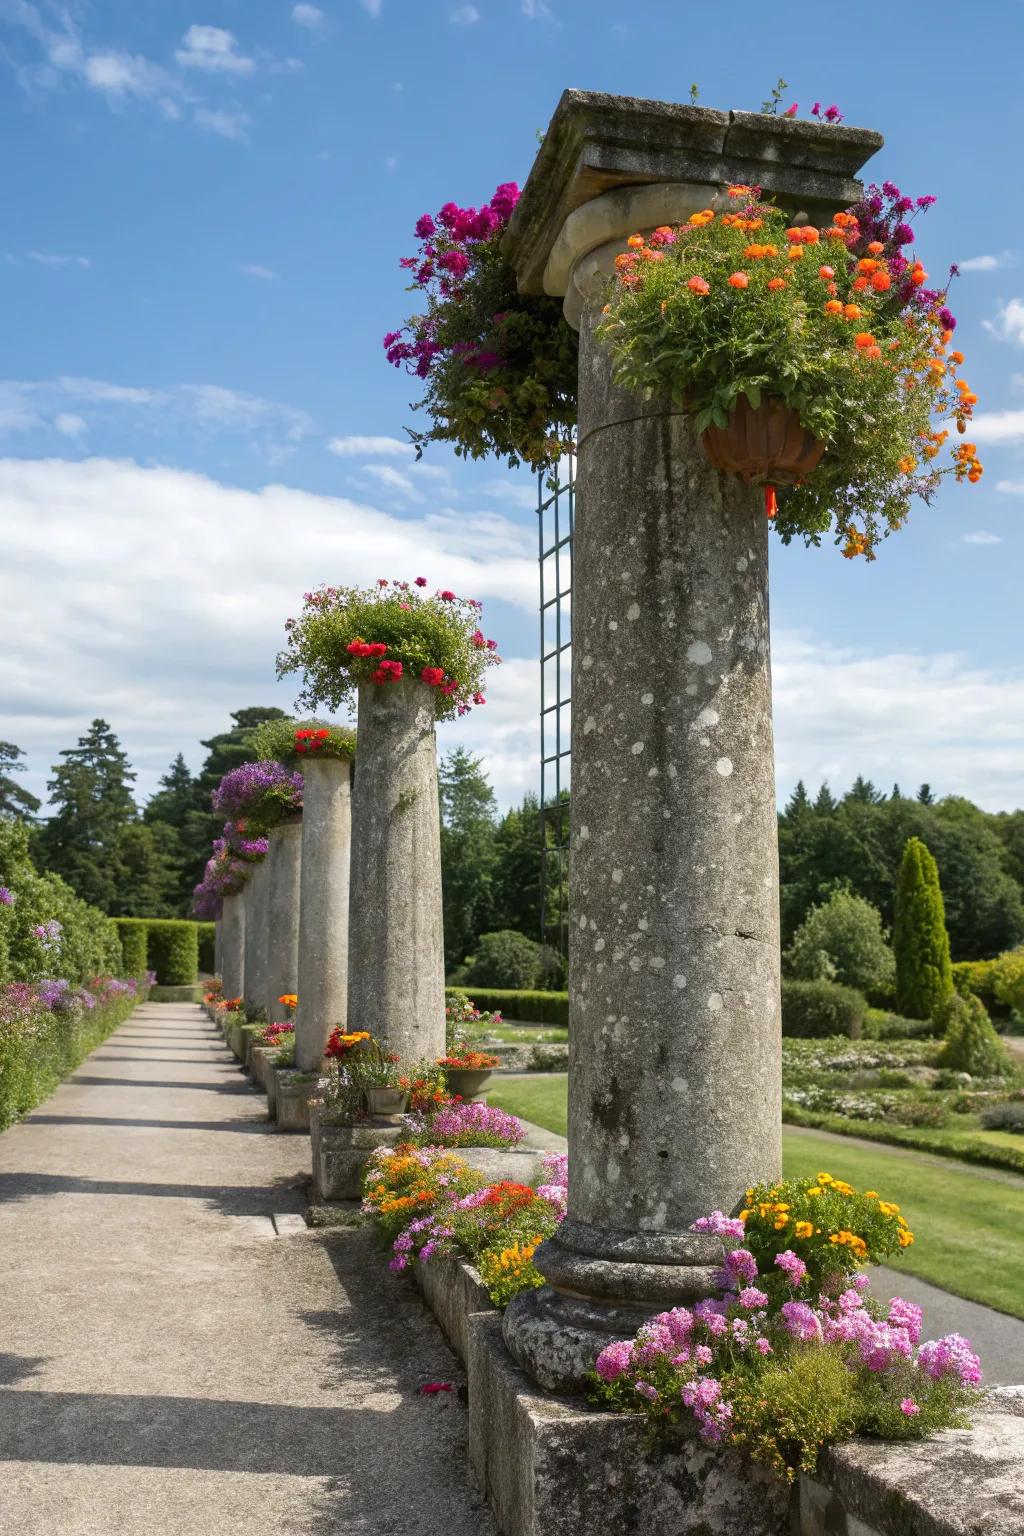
(924, 978)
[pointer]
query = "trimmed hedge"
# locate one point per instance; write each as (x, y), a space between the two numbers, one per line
(36, 1055)
(812, 1010)
(173, 951)
(133, 932)
(207, 936)
(976, 978)
(988, 1154)
(881, 1025)
(528, 1007)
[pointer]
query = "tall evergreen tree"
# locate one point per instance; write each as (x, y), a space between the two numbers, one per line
(925, 796)
(798, 801)
(91, 791)
(175, 799)
(516, 883)
(863, 790)
(825, 803)
(924, 979)
(467, 851)
(15, 800)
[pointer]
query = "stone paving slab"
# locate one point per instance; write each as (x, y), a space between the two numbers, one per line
(177, 1353)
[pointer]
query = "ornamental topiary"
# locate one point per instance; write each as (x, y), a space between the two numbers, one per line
(133, 933)
(173, 951)
(505, 959)
(738, 307)
(388, 634)
(499, 367)
(924, 977)
(815, 1009)
(971, 1044)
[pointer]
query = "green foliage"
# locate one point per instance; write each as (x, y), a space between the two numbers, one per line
(1004, 1117)
(468, 853)
(880, 1025)
(924, 978)
(39, 1048)
(534, 1007)
(842, 940)
(134, 935)
(976, 978)
(971, 1044)
(1008, 980)
(275, 740)
(173, 952)
(91, 791)
(786, 1413)
(438, 634)
(88, 943)
(15, 801)
(206, 937)
(812, 1009)
(505, 959)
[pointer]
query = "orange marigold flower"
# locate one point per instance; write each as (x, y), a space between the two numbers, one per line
(946, 338)
(698, 285)
(956, 357)
(867, 265)
(852, 311)
(796, 253)
(624, 259)
(636, 242)
(739, 280)
(873, 352)
(809, 235)
(833, 307)
(706, 216)
(863, 339)
(881, 282)
(739, 191)
(832, 233)
(876, 248)
(777, 283)
(918, 276)
(832, 288)
(795, 236)
(907, 464)
(827, 273)
(859, 284)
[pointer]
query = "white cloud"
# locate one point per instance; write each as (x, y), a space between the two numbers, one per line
(1009, 323)
(132, 651)
(226, 124)
(69, 425)
(253, 269)
(998, 427)
(981, 537)
(537, 10)
(464, 16)
(308, 16)
(371, 7)
(392, 479)
(1010, 487)
(520, 491)
(985, 263)
(214, 51)
(48, 259)
(354, 447)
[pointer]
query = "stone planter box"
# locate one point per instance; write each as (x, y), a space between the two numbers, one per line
(291, 1100)
(453, 1291)
(236, 1041)
(340, 1153)
(259, 1059)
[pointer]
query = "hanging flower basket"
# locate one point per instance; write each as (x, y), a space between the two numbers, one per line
(764, 444)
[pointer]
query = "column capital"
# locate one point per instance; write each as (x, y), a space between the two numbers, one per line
(609, 165)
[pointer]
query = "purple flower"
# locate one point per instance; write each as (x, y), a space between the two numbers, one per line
(909, 1408)
(905, 1314)
(462, 1125)
(646, 1390)
(925, 202)
(947, 319)
(751, 1298)
(890, 189)
(740, 1264)
(718, 1223)
(252, 787)
(425, 226)
(614, 1361)
(903, 234)
(6, 896)
(833, 115)
(792, 1266)
(951, 1355)
(800, 1320)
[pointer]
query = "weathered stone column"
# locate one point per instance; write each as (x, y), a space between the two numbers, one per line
(323, 917)
(675, 1038)
(284, 864)
(232, 937)
(218, 947)
(396, 931)
(254, 968)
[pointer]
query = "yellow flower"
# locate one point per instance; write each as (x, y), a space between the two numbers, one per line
(814, 1190)
(887, 1208)
(905, 1238)
(744, 1215)
(825, 1178)
(841, 1187)
(782, 1222)
(871, 1194)
(803, 1229)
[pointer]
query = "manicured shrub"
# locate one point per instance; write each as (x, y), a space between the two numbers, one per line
(505, 959)
(881, 1025)
(529, 1007)
(173, 951)
(133, 932)
(46, 929)
(971, 1044)
(207, 941)
(924, 978)
(813, 1009)
(843, 940)
(976, 978)
(1008, 979)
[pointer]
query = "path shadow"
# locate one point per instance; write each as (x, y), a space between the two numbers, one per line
(234, 1085)
(229, 1200)
(262, 1127)
(15, 1368)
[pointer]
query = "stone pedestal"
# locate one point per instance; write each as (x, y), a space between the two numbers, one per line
(218, 948)
(675, 1038)
(340, 1153)
(396, 931)
(323, 917)
(232, 940)
(259, 1056)
(291, 1101)
(255, 951)
(283, 865)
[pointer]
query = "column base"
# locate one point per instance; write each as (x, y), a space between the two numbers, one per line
(601, 1287)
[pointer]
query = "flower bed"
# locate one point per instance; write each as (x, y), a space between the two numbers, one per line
(49, 1027)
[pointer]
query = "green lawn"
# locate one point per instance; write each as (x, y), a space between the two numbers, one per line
(520, 1034)
(969, 1225)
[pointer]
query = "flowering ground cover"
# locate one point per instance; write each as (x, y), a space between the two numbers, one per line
(969, 1223)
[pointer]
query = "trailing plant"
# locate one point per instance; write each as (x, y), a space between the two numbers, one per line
(498, 366)
(387, 634)
(837, 323)
(262, 793)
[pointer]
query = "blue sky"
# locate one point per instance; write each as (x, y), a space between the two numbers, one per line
(202, 225)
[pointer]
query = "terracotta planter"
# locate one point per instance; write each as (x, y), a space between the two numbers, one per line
(767, 446)
(467, 1082)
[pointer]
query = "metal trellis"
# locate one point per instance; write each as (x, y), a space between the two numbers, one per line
(555, 514)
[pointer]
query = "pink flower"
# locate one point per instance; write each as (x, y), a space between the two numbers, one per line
(421, 581)
(447, 597)
(751, 1298)
(614, 1361)
(909, 1408)
(791, 111)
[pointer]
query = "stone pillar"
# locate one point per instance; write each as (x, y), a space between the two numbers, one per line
(284, 864)
(323, 916)
(218, 948)
(396, 932)
(675, 1036)
(255, 965)
(232, 935)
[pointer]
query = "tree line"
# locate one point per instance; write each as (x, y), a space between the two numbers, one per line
(144, 861)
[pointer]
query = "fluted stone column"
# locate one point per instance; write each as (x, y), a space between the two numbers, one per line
(675, 1037)
(396, 930)
(323, 917)
(232, 936)
(254, 970)
(284, 865)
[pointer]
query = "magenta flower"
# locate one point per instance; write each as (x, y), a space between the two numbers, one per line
(614, 1361)
(909, 1408)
